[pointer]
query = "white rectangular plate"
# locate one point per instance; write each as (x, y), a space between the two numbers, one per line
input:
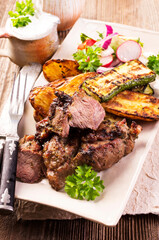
(120, 179)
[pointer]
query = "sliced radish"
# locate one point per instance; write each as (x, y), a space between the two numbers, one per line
(107, 52)
(103, 69)
(128, 50)
(106, 61)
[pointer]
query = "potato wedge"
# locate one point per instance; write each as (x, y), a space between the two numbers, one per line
(57, 69)
(41, 97)
(133, 105)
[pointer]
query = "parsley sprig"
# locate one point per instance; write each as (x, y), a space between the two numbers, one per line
(153, 63)
(84, 184)
(88, 58)
(20, 17)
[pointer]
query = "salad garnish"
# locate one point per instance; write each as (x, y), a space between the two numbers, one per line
(84, 37)
(100, 35)
(153, 63)
(88, 58)
(20, 17)
(84, 184)
(101, 54)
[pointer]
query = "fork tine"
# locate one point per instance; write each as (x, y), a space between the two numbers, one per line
(24, 93)
(22, 100)
(18, 88)
(11, 98)
(18, 93)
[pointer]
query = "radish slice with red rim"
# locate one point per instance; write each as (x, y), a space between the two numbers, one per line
(128, 50)
(106, 61)
(103, 69)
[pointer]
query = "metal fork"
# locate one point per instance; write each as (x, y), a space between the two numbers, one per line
(9, 163)
(16, 106)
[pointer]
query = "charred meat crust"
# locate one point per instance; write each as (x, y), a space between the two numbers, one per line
(106, 146)
(79, 111)
(30, 165)
(100, 149)
(57, 155)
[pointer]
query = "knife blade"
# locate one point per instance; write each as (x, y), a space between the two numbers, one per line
(8, 167)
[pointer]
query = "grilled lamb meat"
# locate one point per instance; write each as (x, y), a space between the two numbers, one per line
(86, 112)
(106, 146)
(59, 114)
(57, 155)
(43, 130)
(99, 149)
(30, 166)
(79, 111)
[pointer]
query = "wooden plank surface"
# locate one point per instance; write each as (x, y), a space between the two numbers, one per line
(139, 13)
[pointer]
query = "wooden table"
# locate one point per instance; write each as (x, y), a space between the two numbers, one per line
(139, 13)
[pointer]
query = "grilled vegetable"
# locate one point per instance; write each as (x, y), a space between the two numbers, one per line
(147, 89)
(41, 97)
(75, 83)
(105, 86)
(133, 105)
(56, 69)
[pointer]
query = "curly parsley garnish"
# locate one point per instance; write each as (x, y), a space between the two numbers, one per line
(84, 184)
(88, 58)
(153, 63)
(20, 17)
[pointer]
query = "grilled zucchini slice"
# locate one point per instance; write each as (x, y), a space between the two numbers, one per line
(133, 105)
(147, 89)
(105, 86)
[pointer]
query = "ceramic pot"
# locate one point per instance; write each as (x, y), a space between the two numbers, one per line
(23, 52)
(67, 10)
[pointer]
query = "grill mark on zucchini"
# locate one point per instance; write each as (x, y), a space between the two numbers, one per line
(105, 86)
(133, 105)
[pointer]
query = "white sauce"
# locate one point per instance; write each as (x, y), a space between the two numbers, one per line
(41, 25)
